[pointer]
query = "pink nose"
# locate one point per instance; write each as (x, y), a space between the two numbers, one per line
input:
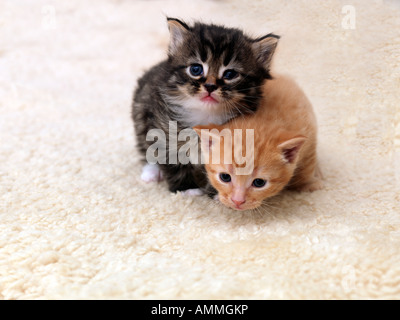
(238, 202)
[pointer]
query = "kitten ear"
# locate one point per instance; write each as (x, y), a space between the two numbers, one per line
(264, 48)
(178, 30)
(290, 148)
(207, 137)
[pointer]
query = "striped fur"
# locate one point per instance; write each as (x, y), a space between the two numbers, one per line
(167, 92)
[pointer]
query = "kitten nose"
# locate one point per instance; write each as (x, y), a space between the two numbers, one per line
(210, 87)
(238, 202)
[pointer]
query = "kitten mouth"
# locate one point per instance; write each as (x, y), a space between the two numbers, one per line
(242, 207)
(234, 206)
(209, 99)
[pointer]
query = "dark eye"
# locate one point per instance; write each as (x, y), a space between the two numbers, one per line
(230, 74)
(259, 183)
(196, 70)
(225, 177)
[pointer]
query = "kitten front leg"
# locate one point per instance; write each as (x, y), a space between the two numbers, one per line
(181, 177)
(210, 191)
(151, 173)
(192, 192)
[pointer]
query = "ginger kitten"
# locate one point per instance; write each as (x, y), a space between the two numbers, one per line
(284, 152)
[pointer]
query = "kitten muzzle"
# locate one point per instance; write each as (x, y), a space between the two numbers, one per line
(238, 203)
(209, 97)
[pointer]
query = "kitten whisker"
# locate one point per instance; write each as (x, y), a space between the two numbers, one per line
(269, 207)
(238, 106)
(266, 210)
(261, 212)
(232, 105)
(248, 88)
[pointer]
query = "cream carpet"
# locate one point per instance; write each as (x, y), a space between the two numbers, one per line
(77, 222)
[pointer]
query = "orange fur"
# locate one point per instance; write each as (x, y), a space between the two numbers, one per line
(285, 139)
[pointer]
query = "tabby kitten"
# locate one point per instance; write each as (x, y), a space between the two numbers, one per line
(212, 74)
(283, 153)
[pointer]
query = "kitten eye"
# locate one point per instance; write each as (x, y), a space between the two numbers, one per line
(230, 74)
(196, 70)
(259, 183)
(225, 177)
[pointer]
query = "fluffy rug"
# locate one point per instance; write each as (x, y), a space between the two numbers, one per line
(77, 222)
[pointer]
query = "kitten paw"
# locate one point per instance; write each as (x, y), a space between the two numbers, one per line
(151, 173)
(192, 192)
